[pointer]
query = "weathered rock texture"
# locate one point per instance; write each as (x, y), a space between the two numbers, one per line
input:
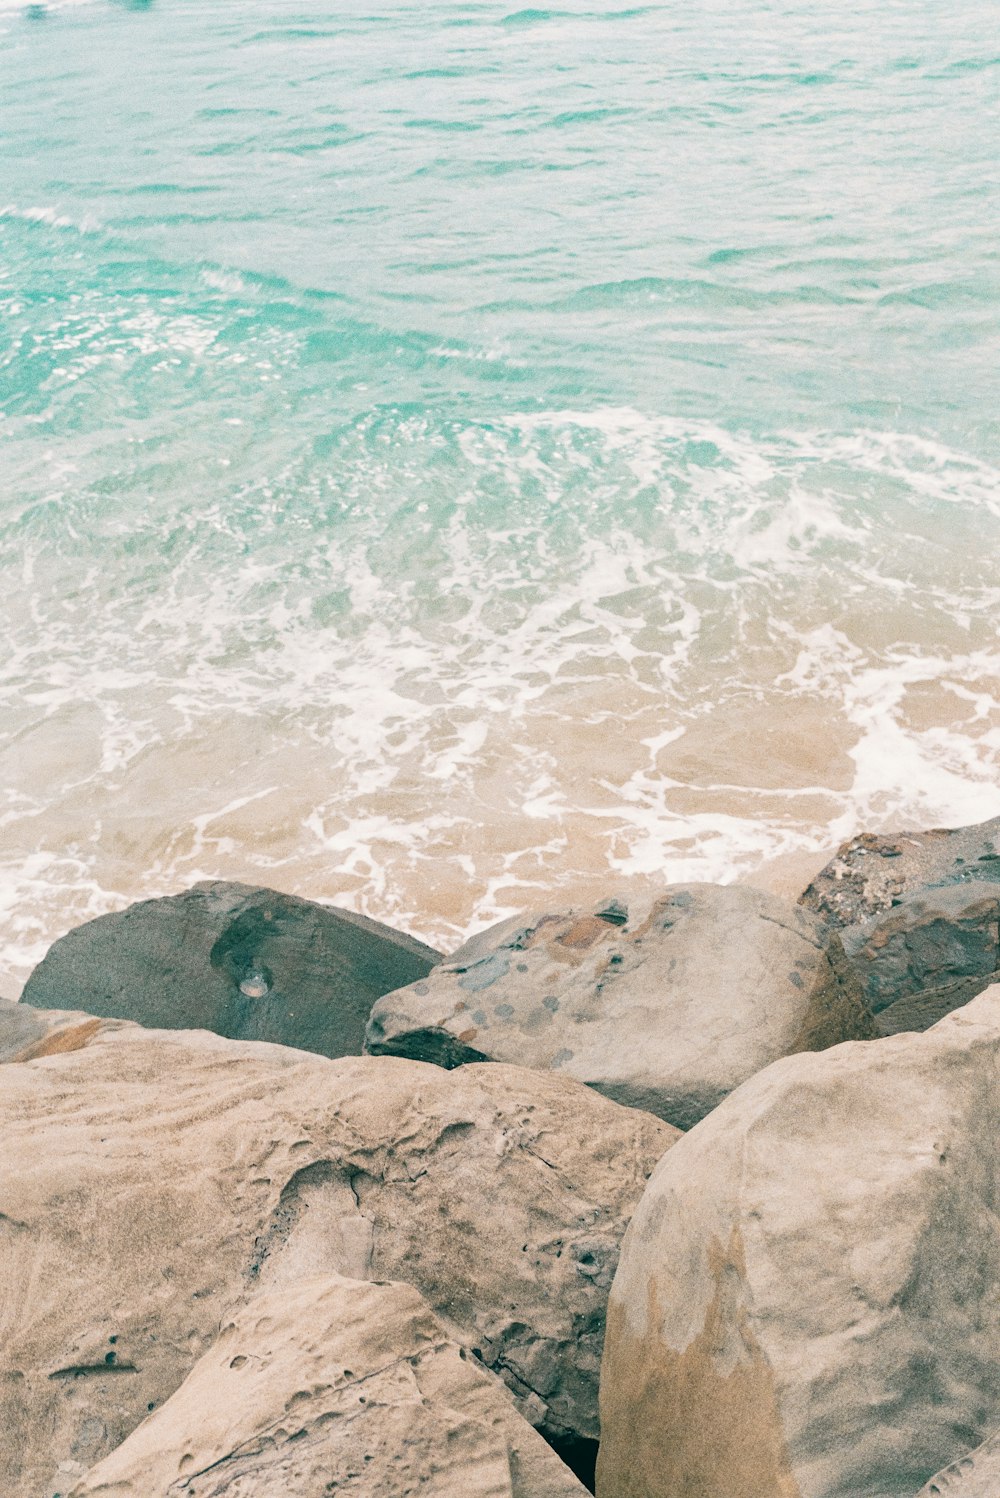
(247, 963)
(153, 1181)
(871, 872)
(974, 1476)
(807, 1302)
(666, 1006)
(918, 1011)
(332, 1386)
(26, 1034)
(936, 939)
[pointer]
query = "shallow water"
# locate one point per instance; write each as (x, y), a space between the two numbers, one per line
(453, 454)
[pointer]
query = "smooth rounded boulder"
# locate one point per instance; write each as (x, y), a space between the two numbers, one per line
(806, 1304)
(155, 1181)
(334, 1386)
(665, 1005)
(244, 962)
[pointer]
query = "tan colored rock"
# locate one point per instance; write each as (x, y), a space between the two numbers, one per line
(807, 1301)
(27, 1034)
(154, 1180)
(246, 962)
(334, 1386)
(976, 1475)
(665, 1006)
(870, 873)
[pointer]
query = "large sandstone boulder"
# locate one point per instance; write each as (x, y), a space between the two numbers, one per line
(251, 964)
(946, 938)
(666, 1005)
(333, 1386)
(806, 1304)
(154, 1180)
(870, 873)
(976, 1475)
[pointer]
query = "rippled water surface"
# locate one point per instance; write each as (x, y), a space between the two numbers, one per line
(453, 453)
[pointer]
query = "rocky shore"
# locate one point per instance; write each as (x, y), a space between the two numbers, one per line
(689, 1197)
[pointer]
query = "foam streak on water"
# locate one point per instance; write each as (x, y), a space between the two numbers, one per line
(451, 458)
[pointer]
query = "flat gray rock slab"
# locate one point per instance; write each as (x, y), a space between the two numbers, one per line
(336, 1387)
(806, 1302)
(974, 1476)
(946, 936)
(245, 962)
(666, 1005)
(870, 873)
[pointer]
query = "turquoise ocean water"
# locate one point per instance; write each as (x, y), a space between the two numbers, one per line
(451, 453)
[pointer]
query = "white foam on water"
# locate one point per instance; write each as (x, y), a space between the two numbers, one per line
(31, 891)
(593, 647)
(45, 214)
(227, 281)
(940, 773)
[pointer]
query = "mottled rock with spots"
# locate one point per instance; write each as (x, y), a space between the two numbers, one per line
(665, 1005)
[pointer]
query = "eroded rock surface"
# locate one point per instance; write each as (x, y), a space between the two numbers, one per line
(976, 1475)
(26, 1033)
(665, 1006)
(806, 1304)
(155, 1181)
(920, 1010)
(333, 1386)
(247, 963)
(935, 939)
(870, 873)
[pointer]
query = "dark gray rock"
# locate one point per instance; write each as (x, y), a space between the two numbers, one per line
(974, 1476)
(871, 873)
(247, 963)
(918, 1011)
(946, 937)
(666, 1005)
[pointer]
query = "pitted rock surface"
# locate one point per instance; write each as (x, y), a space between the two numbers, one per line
(806, 1302)
(872, 872)
(333, 1386)
(665, 1006)
(976, 1475)
(155, 1181)
(247, 963)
